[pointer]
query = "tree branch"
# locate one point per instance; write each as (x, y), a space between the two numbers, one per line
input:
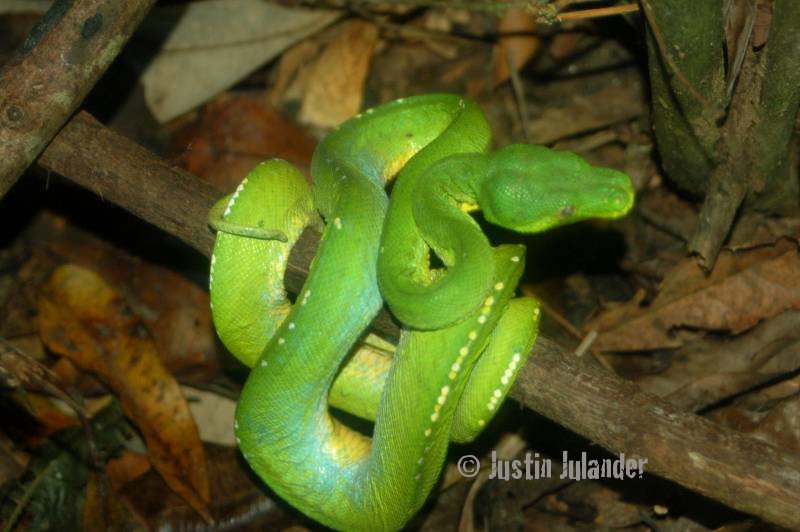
(741, 471)
(61, 60)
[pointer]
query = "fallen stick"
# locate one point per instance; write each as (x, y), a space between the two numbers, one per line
(740, 471)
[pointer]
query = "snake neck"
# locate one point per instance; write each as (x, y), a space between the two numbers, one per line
(429, 215)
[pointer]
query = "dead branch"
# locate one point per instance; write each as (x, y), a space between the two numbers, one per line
(741, 471)
(148, 186)
(61, 60)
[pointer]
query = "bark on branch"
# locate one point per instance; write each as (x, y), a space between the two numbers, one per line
(741, 471)
(48, 78)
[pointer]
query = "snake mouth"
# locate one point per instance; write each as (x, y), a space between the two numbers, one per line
(613, 199)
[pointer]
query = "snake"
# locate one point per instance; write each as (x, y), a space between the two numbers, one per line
(464, 335)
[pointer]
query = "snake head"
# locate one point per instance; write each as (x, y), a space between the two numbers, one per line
(532, 188)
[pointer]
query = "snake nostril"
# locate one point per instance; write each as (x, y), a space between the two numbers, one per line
(566, 210)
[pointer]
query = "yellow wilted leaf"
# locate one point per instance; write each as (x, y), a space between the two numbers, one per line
(83, 319)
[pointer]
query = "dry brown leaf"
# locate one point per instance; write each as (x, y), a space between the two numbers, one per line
(518, 49)
(82, 318)
(291, 73)
(589, 112)
(712, 369)
(565, 44)
(175, 311)
(33, 386)
(754, 229)
(126, 467)
(105, 509)
(781, 426)
(234, 134)
(237, 497)
(743, 289)
(771, 414)
(336, 78)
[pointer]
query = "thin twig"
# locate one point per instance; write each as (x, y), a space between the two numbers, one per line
(585, 344)
(598, 12)
(519, 91)
(478, 6)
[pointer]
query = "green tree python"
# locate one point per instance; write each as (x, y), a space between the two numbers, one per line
(464, 335)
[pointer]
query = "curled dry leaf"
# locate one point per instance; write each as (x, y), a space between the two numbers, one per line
(336, 79)
(21, 374)
(516, 48)
(589, 112)
(174, 310)
(125, 468)
(235, 132)
(211, 45)
(743, 288)
(105, 509)
(83, 319)
(781, 426)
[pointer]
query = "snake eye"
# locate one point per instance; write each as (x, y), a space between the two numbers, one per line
(566, 211)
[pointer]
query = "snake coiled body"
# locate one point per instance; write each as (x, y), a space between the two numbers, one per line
(464, 336)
